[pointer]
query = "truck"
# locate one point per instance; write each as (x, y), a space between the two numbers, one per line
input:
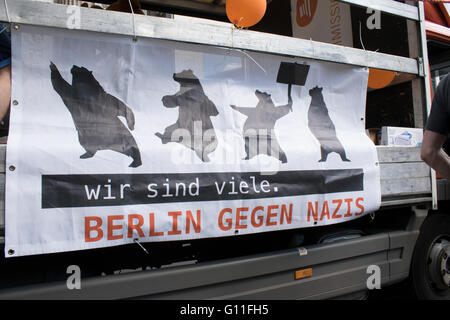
(406, 240)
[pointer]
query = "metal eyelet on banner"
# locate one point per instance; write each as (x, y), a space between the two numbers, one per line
(15, 102)
(16, 27)
(12, 168)
(11, 252)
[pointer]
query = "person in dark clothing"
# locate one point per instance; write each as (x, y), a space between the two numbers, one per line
(437, 130)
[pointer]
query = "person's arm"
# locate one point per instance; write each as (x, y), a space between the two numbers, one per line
(5, 93)
(432, 153)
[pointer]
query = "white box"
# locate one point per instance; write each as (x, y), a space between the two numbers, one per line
(401, 137)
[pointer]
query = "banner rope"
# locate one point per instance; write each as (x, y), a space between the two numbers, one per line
(361, 41)
(233, 27)
(134, 21)
(251, 58)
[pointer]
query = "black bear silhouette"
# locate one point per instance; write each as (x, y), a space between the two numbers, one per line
(259, 127)
(321, 126)
(95, 114)
(195, 110)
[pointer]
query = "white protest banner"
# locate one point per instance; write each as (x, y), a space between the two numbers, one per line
(114, 140)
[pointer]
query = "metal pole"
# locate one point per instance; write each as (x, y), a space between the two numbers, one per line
(427, 87)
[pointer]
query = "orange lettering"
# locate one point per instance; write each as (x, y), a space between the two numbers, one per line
(339, 203)
(239, 218)
(228, 220)
(360, 206)
(284, 213)
(190, 219)
(349, 207)
(88, 228)
(257, 221)
(137, 227)
(271, 215)
(174, 215)
(312, 211)
(152, 227)
(112, 227)
(325, 211)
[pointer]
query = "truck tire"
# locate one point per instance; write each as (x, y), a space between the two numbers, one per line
(430, 268)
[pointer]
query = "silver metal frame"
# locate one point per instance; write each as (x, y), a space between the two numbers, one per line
(194, 6)
(388, 6)
(192, 30)
(427, 89)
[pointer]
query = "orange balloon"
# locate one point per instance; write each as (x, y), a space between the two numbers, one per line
(380, 78)
(245, 13)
